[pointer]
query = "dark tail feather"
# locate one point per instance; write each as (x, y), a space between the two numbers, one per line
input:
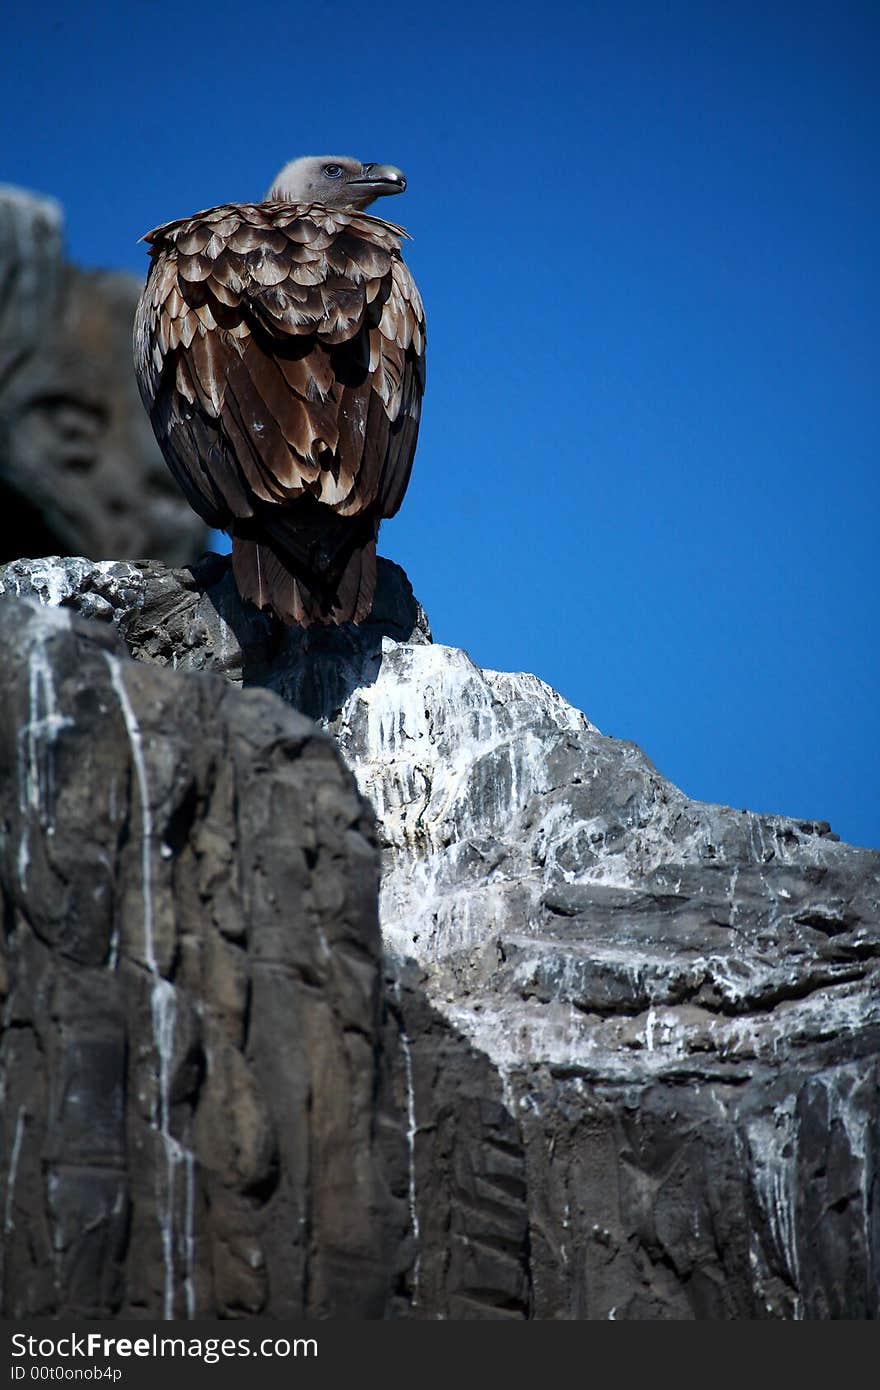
(357, 586)
(261, 577)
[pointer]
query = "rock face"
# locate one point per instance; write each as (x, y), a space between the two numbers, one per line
(678, 1002)
(208, 1104)
(466, 1253)
(80, 472)
(192, 1025)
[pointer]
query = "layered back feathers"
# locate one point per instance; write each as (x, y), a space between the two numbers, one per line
(279, 350)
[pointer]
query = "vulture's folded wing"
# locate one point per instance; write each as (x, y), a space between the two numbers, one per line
(280, 353)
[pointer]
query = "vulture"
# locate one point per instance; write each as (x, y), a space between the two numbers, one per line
(280, 354)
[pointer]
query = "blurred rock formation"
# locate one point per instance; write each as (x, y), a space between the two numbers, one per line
(80, 472)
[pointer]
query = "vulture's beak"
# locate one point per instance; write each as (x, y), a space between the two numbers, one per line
(381, 179)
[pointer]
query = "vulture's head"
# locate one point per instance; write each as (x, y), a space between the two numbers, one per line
(336, 181)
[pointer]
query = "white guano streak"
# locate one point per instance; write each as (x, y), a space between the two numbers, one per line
(411, 1131)
(8, 1219)
(137, 752)
(163, 1009)
(37, 750)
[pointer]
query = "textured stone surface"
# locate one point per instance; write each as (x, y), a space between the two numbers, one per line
(680, 1000)
(467, 1248)
(80, 472)
(193, 1014)
(210, 1106)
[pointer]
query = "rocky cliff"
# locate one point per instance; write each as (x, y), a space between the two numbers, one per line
(209, 1083)
(631, 1068)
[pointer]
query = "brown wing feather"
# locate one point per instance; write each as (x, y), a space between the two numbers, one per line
(280, 353)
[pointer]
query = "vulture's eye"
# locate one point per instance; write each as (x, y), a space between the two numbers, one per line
(333, 171)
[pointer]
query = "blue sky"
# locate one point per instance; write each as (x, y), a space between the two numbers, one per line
(646, 237)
